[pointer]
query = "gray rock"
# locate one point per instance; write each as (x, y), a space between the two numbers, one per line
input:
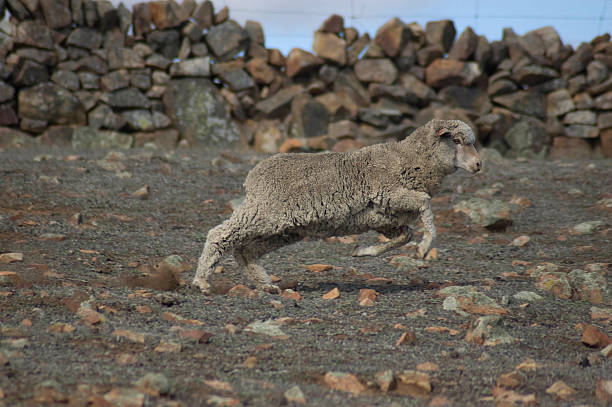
(406, 264)
(578, 61)
(157, 382)
(492, 214)
(583, 101)
(199, 112)
(582, 131)
(165, 42)
(529, 103)
(8, 117)
(128, 98)
(586, 228)
(604, 102)
(29, 73)
(380, 70)
(104, 117)
(310, 118)
(160, 120)
(279, 101)
(559, 103)
(227, 40)
(589, 286)
(140, 78)
(488, 331)
(474, 99)
(604, 121)
(268, 328)
(89, 80)
(50, 102)
(194, 67)
(527, 296)
(531, 75)
(85, 37)
(465, 46)
(34, 34)
(88, 138)
(417, 92)
(580, 117)
(41, 56)
(124, 58)
(17, 9)
(115, 80)
(7, 92)
(597, 72)
(501, 87)
(526, 138)
(139, 119)
(237, 79)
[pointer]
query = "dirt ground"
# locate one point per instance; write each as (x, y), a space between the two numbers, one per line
(92, 310)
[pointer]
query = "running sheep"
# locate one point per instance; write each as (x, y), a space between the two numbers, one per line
(383, 187)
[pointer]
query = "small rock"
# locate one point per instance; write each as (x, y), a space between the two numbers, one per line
(269, 328)
(589, 286)
(510, 380)
(317, 268)
(129, 335)
(561, 390)
(607, 351)
(241, 290)
(406, 264)
(555, 283)
(155, 382)
(385, 380)
(491, 214)
(593, 337)
(520, 241)
(487, 331)
(527, 296)
(295, 395)
(196, 335)
(125, 397)
(344, 382)
(413, 383)
(603, 390)
(407, 338)
(331, 295)
(10, 257)
(586, 228)
(141, 193)
(290, 294)
(168, 347)
(464, 299)
(367, 297)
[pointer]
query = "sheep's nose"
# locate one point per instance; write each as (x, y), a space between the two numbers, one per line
(478, 165)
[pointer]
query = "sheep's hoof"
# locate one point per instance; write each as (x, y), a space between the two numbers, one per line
(270, 288)
(202, 285)
(422, 252)
(365, 251)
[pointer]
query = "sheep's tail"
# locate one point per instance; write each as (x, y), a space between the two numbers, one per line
(219, 241)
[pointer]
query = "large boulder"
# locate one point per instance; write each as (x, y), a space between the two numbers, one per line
(51, 103)
(198, 110)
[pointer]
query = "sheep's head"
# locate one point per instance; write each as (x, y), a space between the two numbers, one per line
(460, 138)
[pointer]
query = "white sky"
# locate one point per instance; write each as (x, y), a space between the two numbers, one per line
(290, 24)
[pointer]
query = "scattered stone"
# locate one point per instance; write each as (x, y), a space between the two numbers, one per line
(594, 338)
(269, 328)
(125, 397)
(510, 380)
(156, 383)
(491, 214)
(603, 390)
(344, 382)
(332, 295)
(385, 380)
(406, 264)
(520, 241)
(465, 299)
(413, 383)
(295, 395)
(10, 257)
(527, 296)
(367, 297)
(561, 390)
(488, 331)
(586, 228)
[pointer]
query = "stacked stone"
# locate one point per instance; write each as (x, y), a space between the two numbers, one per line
(87, 72)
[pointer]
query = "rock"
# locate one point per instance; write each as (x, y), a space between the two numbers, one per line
(597, 72)
(57, 15)
(555, 283)
(531, 75)
(275, 104)
(7, 92)
(8, 117)
(367, 297)
(329, 47)
(356, 49)
(125, 397)
(85, 37)
(578, 61)
(413, 383)
(417, 92)
(332, 295)
(269, 328)
(204, 14)
(299, 62)
(51, 103)
(227, 40)
(607, 351)
(520, 241)
(6, 258)
(441, 33)
(603, 390)
(606, 142)
(604, 101)
(193, 67)
(581, 131)
(526, 138)
(527, 296)
(474, 99)
(583, 101)
(594, 338)
(379, 70)
(103, 116)
(344, 382)
(261, 71)
(529, 103)
(139, 119)
(510, 380)
(569, 147)
(165, 14)
(385, 380)
(88, 138)
(445, 72)
(165, 42)
(128, 98)
(491, 214)
(392, 36)
(465, 46)
(586, 117)
(406, 264)
(604, 120)
(199, 112)
(66, 79)
(561, 390)
(465, 299)
(34, 34)
(559, 102)
(156, 382)
(124, 58)
(30, 73)
(589, 286)
(488, 331)
(586, 228)
(294, 395)
(310, 117)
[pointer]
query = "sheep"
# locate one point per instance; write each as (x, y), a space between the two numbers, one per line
(382, 187)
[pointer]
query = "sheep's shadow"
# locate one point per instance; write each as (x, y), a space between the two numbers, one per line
(350, 287)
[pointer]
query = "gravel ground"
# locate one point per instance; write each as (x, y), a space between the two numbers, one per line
(92, 309)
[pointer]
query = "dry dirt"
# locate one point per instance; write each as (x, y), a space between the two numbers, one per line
(89, 311)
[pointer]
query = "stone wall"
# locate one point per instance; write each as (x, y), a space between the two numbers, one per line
(87, 73)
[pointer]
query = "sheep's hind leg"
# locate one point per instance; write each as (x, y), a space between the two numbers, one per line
(398, 237)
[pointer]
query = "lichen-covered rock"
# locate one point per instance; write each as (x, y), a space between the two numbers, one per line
(52, 103)
(88, 138)
(589, 286)
(526, 138)
(493, 214)
(199, 112)
(555, 283)
(227, 40)
(488, 331)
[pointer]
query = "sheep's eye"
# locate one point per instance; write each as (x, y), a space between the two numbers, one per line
(457, 141)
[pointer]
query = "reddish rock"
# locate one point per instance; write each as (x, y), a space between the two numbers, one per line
(330, 47)
(603, 390)
(204, 14)
(165, 14)
(413, 383)
(261, 71)
(141, 19)
(385, 380)
(367, 297)
(344, 382)
(333, 24)
(594, 338)
(444, 72)
(606, 142)
(392, 36)
(299, 62)
(276, 58)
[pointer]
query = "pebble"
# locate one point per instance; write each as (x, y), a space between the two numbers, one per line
(268, 327)
(11, 257)
(332, 294)
(156, 382)
(295, 395)
(385, 380)
(528, 296)
(561, 390)
(520, 241)
(344, 382)
(586, 228)
(413, 383)
(488, 331)
(594, 338)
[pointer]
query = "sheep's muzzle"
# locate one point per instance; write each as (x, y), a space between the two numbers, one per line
(468, 158)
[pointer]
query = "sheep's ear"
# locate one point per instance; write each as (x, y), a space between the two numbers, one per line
(442, 133)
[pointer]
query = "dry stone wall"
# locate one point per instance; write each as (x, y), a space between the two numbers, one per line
(93, 75)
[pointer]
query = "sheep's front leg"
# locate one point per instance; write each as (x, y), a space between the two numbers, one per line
(429, 233)
(396, 240)
(246, 258)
